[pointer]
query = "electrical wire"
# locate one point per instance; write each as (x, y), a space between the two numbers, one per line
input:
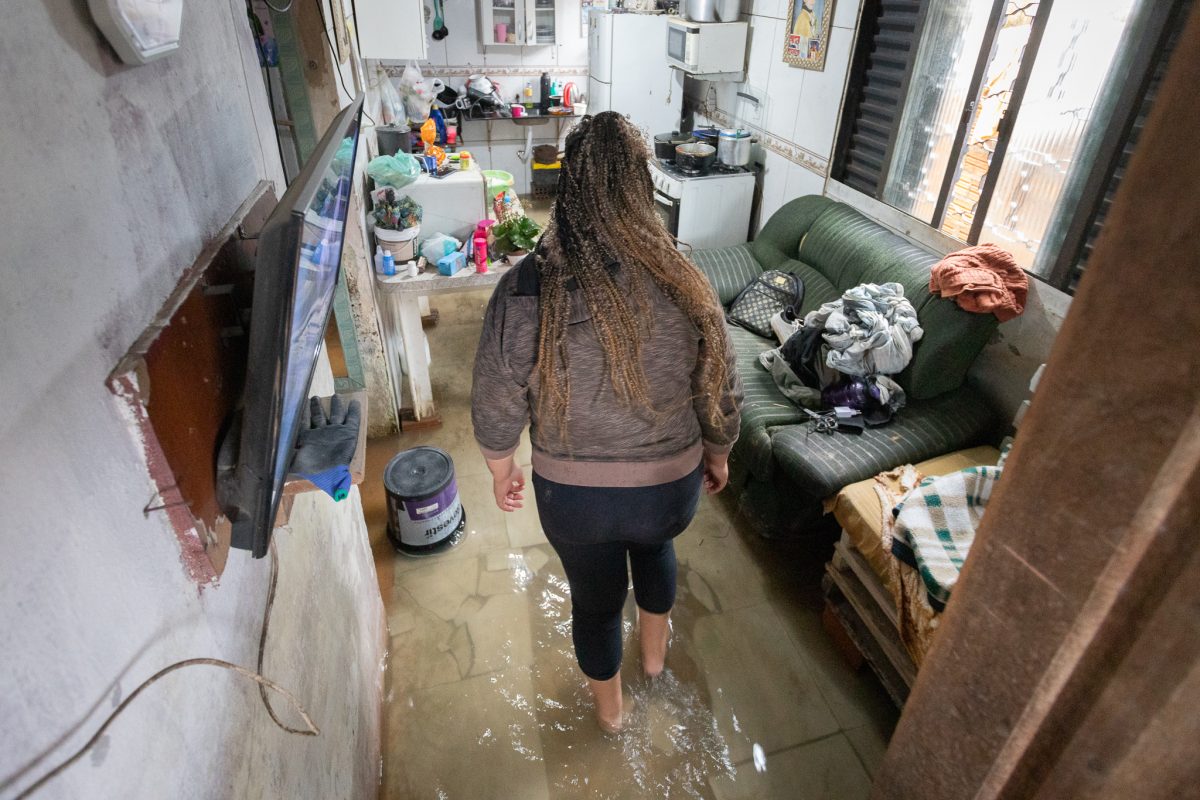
(263, 685)
(262, 650)
(337, 69)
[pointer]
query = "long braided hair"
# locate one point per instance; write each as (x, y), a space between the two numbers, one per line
(604, 213)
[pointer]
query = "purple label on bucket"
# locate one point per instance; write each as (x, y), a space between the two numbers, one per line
(429, 507)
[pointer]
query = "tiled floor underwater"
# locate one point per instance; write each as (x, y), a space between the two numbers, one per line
(483, 697)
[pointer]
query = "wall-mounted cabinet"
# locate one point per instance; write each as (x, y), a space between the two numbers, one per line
(517, 23)
(391, 29)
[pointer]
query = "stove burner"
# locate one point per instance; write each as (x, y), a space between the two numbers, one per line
(717, 169)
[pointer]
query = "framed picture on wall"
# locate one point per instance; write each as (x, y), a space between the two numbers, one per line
(807, 33)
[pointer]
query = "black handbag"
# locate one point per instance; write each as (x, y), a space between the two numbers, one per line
(766, 296)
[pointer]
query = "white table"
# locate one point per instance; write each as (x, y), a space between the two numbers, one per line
(402, 332)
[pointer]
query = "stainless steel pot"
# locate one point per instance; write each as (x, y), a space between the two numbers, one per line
(733, 147)
(700, 10)
(711, 10)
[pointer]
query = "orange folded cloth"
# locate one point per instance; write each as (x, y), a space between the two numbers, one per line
(983, 279)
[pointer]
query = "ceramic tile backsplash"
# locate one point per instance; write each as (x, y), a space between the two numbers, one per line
(801, 113)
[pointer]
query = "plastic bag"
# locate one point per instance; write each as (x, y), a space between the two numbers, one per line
(391, 106)
(507, 206)
(439, 245)
(396, 171)
(418, 98)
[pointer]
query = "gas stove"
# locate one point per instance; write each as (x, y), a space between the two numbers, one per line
(708, 210)
(717, 170)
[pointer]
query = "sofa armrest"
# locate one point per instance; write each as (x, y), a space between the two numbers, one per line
(728, 269)
(779, 239)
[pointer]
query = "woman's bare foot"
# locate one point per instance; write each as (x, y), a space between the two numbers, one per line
(610, 708)
(654, 632)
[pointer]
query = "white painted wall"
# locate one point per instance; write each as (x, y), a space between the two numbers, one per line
(114, 178)
(801, 113)
(460, 54)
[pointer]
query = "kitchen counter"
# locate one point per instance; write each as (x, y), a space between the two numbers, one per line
(529, 116)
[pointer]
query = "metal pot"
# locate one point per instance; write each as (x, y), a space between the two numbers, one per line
(707, 135)
(700, 10)
(665, 144)
(711, 10)
(733, 147)
(695, 157)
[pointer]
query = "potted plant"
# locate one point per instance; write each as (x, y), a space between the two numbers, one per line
(515, 237)
(397, 223)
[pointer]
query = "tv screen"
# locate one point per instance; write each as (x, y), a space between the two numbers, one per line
(295, 275)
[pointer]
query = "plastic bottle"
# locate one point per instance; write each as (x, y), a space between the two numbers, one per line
(528, 94)
(481, 252)
(389, 263)
(412, 269)
(378, 258)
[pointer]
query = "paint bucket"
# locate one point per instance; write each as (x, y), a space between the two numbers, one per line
(425, 514)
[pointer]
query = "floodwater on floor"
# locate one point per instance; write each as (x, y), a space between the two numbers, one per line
(484, 700)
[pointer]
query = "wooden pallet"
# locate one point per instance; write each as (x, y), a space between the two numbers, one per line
(868, 614)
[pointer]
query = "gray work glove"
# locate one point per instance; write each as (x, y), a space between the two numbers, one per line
(325, 445)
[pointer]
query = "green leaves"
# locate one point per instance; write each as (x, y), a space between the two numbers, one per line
(520, 233)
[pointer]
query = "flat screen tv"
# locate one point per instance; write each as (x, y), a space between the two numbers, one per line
(295, 274)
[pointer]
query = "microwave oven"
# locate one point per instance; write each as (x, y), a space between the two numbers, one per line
(707, 47)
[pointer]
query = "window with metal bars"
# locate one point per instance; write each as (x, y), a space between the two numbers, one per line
(1001, 120)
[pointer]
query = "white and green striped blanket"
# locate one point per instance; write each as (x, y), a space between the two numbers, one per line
(936, 524)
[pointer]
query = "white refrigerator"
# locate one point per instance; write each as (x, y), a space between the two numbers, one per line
(628, 72)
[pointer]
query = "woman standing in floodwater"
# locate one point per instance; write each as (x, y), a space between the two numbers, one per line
(613, 347)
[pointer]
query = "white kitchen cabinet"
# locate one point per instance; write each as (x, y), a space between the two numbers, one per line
(391, 29)
(527, 23)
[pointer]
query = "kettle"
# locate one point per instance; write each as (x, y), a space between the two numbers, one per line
(570, 94)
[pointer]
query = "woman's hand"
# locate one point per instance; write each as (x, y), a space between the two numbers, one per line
(508, 483)
(716, 472)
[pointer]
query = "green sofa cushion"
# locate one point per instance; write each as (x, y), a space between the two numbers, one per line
(729, 269)
(765, 406)
(848, 249)
(821, 464)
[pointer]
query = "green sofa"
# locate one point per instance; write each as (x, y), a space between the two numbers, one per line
(783, 468)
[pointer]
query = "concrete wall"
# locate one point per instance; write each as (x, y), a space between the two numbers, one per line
(460, 54)
(114, 178)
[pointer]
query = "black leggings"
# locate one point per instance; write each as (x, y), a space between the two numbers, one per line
(593, 530)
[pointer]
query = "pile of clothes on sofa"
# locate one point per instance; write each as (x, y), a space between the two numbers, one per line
(840, 361)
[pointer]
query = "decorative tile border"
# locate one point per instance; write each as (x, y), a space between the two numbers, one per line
(819, 165)
(466, 70)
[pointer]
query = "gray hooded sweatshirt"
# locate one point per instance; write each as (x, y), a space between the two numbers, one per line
(607, 443)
